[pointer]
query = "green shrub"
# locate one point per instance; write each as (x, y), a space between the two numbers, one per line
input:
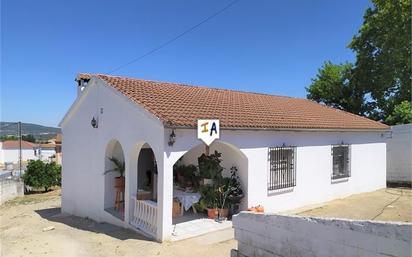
(42, 175)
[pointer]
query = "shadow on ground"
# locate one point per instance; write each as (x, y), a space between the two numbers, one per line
(55, 215)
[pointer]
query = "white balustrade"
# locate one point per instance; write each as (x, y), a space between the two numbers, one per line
(145, 216)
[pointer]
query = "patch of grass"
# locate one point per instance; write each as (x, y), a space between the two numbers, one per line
(33, 197)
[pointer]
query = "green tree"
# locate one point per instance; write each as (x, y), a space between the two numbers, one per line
(332, 87)
(29, 138)
(383, 55)
(402, 114)
(380, 80)
(6, 138)
(42, 175)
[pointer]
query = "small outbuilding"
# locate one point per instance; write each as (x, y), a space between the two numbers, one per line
(288, 152)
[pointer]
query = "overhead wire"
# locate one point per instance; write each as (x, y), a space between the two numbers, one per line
(164, 44)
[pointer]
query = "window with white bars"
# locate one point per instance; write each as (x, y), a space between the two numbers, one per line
(341, 161)
(282, 168)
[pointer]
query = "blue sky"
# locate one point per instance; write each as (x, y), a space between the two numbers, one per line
(273, 47)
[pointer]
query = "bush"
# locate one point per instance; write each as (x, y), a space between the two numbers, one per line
(42, 175)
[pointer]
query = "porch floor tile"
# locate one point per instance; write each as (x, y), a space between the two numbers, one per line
(197, 227)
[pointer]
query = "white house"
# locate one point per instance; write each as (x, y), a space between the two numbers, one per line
(290, 152)
(9, 151)
(45, 152)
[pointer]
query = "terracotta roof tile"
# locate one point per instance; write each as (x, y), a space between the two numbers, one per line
(11, 144)
(179, 105)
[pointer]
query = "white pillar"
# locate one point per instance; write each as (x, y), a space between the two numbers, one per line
(127, 191)
(164, 199)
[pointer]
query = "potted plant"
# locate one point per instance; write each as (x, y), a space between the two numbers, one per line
(236, 192)
(209, 167)
(223, 191)
(209, 201)
(119, 166)
(190, 175)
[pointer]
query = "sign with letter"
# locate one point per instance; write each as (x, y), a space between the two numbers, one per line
(208, 130)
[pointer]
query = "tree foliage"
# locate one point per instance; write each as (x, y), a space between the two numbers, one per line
(402, 114)
(29, 138)
(332, 87)
(380, 79)
(42, 175)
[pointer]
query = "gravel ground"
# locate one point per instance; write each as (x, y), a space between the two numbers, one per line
(33, 226)
(389, 204)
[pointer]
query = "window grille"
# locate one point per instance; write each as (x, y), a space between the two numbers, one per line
(282, 168)
(341, 161)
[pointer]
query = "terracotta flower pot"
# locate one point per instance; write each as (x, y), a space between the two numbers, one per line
(119, 182)
(223, 213)
(212, 213)
(252, 209)
(260, 208)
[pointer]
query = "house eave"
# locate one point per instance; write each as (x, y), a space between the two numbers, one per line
(291, 129)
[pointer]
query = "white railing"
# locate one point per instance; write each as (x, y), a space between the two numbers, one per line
(145, 216)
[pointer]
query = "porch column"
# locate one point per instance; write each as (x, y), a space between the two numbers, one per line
(128, 174)
(164, 199)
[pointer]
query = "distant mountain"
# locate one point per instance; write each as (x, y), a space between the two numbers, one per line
(38, 131)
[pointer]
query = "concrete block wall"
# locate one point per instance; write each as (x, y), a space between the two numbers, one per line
(399, 155)
(9, 189)
(292, 236)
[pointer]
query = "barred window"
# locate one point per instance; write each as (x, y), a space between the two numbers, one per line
(282, 168)
(341, 161)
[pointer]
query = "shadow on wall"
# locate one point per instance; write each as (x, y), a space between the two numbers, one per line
(55, 215)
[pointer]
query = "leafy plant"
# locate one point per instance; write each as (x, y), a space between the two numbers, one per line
(189, 173)
(42, 175)
(236, 192)
(119, 166)
(402, 114)
(209, 196)
(223, 191)
(209, 165)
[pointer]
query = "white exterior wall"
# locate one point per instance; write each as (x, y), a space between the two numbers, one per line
(314, 164)
(290, 236)
(12, 155)
(84, 151)
(9, 189)
(46, 154)
(84, 147)
(399, 151)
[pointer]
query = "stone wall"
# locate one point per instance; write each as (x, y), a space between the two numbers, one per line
(10, 188)
(278, 235)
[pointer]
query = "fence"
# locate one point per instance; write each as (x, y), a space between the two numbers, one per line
(287, 236)
(145, 216)
(10, 188)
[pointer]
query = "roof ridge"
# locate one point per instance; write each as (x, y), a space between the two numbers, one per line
(194, 86)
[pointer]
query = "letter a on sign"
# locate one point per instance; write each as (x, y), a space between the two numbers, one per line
(208, 130)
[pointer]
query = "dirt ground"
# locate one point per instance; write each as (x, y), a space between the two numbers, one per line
(389, 204)
(23, 221)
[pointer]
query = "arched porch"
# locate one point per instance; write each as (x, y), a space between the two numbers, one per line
(191, 189)
(114, 169)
